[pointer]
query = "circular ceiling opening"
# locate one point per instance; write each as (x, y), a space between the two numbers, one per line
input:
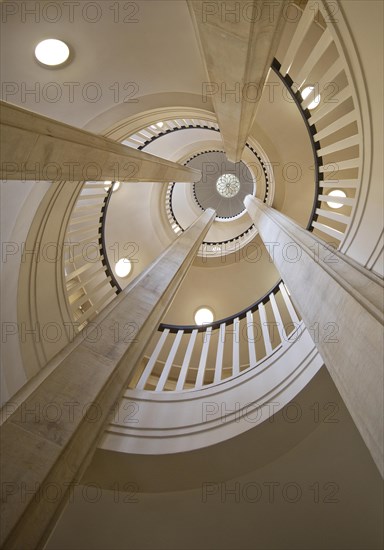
(223, 185)
(204, 316)
(52, 52)
(228, 185)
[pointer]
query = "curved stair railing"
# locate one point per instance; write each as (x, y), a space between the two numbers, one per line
(149, 133)
(193, 357)
(333, 120)
(89, 281)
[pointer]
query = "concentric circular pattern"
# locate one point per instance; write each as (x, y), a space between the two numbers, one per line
(228, 185)
(223, 185)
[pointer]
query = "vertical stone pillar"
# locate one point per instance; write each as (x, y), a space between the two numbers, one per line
(238, 41)
(48, 440)
(341, 304)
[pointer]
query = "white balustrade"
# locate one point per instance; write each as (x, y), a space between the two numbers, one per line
(203, 364)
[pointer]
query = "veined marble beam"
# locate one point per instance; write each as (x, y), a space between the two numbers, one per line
(341, 304)
(238, 41)
(47, 442)
(35, 147)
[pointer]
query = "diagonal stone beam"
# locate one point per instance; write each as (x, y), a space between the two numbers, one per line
(238, 41)
(41, 453)
(35, 147)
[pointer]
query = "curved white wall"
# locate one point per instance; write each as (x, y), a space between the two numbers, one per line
(19, 203)
(170, 422)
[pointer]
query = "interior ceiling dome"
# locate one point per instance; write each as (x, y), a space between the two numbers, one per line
(223, 185)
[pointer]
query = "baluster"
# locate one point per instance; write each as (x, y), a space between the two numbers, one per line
(91, 290)
(328, 107)
(340, 200)
(251, 340)
(276, 313)
(315, 55)
(264, 329)
(203, 358)
(339, 145)
(73, 289)
(302, 28)
(152, 360)
(340, 165)
(339, 124)
(328, 230)
(340, 184)
(169, 362)
(329, 76)
(335, 216)
(96, 305)
(235, 347)
(186, 361)
(219, 354)
(288, 303)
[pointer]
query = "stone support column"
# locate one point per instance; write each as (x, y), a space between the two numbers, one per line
(238, 41)
(47, 442)
(341, 304)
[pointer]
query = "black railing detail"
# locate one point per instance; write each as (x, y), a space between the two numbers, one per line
(227, 320)
(103, 249)
(169, 130)
(306, 115)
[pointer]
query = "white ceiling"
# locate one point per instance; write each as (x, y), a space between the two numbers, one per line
(158, 53)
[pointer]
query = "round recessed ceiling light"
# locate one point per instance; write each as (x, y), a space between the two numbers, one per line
(123, 267)
(115, 187)
(52, 52)
(203, 316)
(336, 193)
(228, 186)
(305, 93)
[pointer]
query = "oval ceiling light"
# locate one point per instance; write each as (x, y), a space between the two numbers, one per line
(203, 316)
(115, 187)
(123, 267)
(336, 193)
(305, 93)
(52, 52)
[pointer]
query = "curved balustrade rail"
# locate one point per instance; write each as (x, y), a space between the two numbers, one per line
(192, 357)
(148, 134)
(90, 283)
(334, 122)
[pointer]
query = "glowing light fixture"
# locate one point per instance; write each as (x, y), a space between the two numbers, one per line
(52, 52)
(203, 316)
(123, 267)
(336, 193)
(305, 93)
(116, 185)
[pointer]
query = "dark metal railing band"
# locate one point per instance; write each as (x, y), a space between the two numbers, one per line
(227, 320)
(311, 129)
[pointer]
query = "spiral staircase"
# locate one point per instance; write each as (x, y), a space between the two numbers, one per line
(257, 356)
